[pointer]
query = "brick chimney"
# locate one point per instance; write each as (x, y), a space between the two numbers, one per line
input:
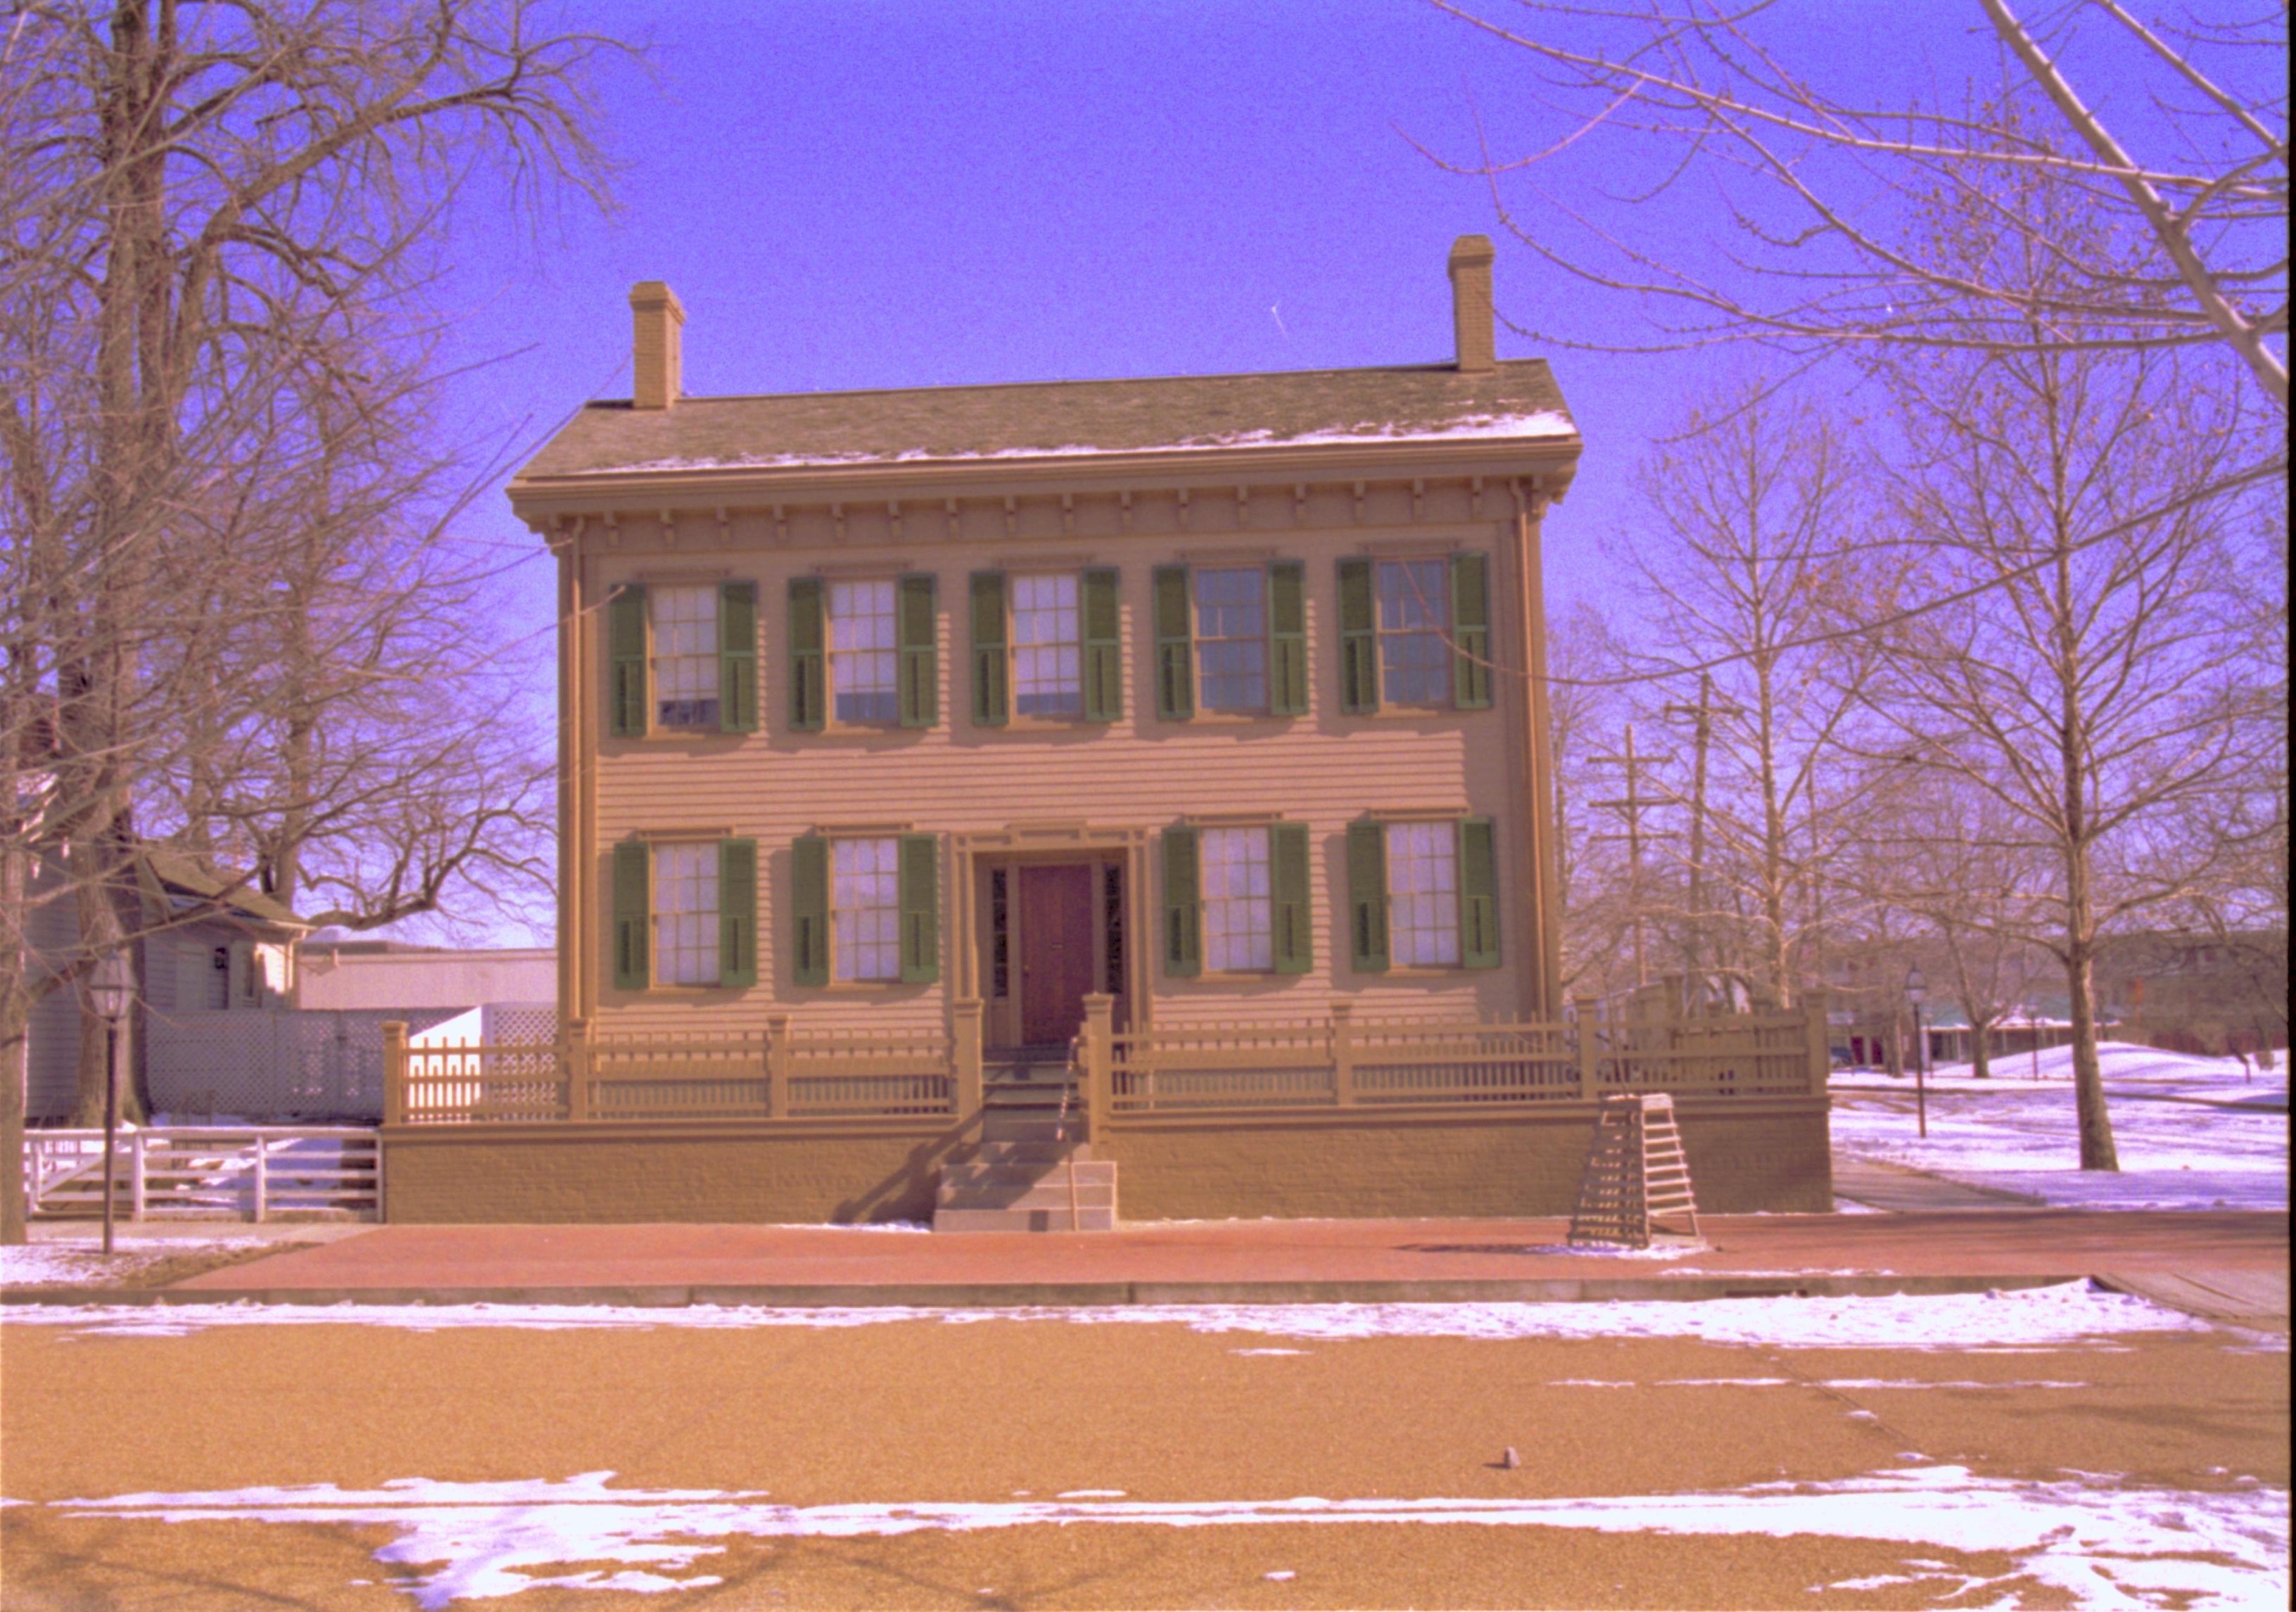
(658, 344)
(1472, 321)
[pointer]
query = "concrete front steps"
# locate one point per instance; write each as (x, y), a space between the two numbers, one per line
(1025, 1174)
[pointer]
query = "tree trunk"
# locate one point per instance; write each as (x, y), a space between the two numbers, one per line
(1981, 1046)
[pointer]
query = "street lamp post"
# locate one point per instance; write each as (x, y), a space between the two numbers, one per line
(108, 992)
(1916, 989)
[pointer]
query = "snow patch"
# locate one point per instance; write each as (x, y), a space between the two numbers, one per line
(2032, 1318)
(2105, 1543)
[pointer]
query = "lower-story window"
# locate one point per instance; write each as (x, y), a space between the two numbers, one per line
(866, 908)
(1422, 889)
(685, 914)
(1236, 933)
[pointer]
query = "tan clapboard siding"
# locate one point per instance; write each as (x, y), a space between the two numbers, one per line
(1323, 769)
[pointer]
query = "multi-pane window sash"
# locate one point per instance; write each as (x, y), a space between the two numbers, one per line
(685, 659)
(866, 908)
(1414, 662)
(1423, 895)
(685, 914)
(1233, 868)
(1047, 646)
(865, 650)
(1231, 622)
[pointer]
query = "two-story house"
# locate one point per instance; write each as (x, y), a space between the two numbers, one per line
(912, 741)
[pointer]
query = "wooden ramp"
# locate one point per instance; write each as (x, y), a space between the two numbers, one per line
(1637, 1188)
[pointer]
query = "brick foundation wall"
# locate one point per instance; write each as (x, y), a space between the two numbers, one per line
(1745, 1155)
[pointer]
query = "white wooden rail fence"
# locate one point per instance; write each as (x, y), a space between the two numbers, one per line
(203, 1171)
(787, 1073)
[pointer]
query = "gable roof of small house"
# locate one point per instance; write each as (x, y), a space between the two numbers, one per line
(1516, 400)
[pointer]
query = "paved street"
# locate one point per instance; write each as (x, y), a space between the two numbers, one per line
(781, 1462)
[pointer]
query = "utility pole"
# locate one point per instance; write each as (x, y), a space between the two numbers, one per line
(1630, 809)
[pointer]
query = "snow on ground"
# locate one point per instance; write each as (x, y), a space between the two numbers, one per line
(81, 1263)
(2191, 1132)
(2021, 1319)
(2095, 1538)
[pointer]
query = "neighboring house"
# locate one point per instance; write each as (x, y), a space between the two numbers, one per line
(383, 974)
(237, 960)
(2197, 991)
(1189, 721)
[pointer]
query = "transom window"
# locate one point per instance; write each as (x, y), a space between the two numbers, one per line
(1232, 638)
(685, 914)
(1415, 664)
(1422, 894)
(865, 650)
(1235, 899)
(684, 659)
(865, 908)
(1047, 647)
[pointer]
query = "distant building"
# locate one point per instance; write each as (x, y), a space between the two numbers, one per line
(2198, 992)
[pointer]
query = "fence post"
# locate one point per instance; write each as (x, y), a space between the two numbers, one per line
(1099, 1055)
(1817, 1027)
(777, 1066)
(394, 1072)
(1590, 1086)
(262, 1180)
(1343, 1054)
(136, 1174)
(965, 1050)
(577, 1068)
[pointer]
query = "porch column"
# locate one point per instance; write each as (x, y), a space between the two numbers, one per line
(965, 1050)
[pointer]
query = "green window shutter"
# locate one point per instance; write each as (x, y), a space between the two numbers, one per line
(808, 668)
(626, 648)
(633, 914)
(737, 657)
(920, 909)
(1287, 638)
(1103, 659)
(1292, 915)
(1367, 896)
(920, 654)
(737, 912)
(1479, 895)
(809, 910)
(1358, 640)
(1471, 632)
(992, 661)
(1184, 937)
(1175, 649)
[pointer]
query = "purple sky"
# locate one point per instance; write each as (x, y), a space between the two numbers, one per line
(878, 194)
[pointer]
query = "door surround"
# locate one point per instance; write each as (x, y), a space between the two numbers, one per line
(975, 855)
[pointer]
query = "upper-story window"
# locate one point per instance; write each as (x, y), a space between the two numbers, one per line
(1414, 633)
(1415, 619)
(682, 659)
(864, 651)
(1044, 647)
(683, 664)
(1047, 646)
(1232, 637)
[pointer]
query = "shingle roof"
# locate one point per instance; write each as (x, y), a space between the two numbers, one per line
(1517, 400)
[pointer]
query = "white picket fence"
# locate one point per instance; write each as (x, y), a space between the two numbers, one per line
(208, 1172)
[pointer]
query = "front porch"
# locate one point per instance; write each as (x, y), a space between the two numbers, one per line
(1328, 1118)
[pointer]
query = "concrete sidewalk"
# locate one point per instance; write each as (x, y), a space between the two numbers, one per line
(1243, 1262)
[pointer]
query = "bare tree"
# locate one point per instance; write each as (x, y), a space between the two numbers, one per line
(1824, 185)
(1752, 544)
(1586, 712)
(222, 219)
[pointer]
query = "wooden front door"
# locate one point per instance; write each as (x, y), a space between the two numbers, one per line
(1055, 952)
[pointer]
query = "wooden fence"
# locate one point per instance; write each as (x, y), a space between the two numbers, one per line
(207, 1171)
(788, 1073)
